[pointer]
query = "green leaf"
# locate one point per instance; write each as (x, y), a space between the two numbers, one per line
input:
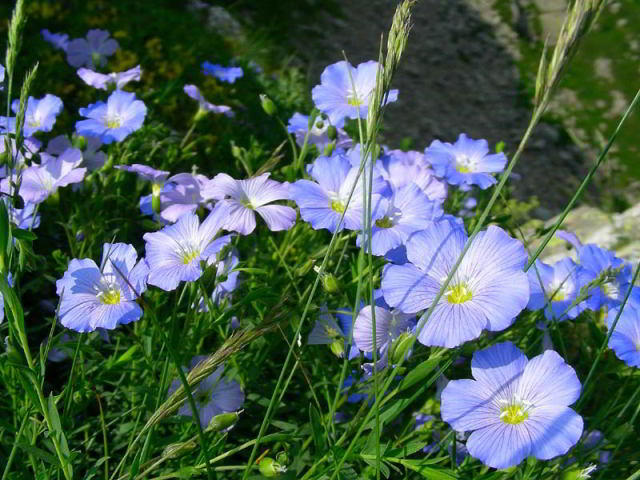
(53, 414)
(39, 453)
(127, 356)
(316, 428)
(419, 373)
(26, 235)
(428, 472)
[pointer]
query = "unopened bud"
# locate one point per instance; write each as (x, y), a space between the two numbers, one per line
(270, 468)
(222, 421)
(337, 347)
(282, 458)
(400, 348)
(330, 283)
(79, 142)
(267, 105)
(312, 118)
(332, 132)
(328, 150)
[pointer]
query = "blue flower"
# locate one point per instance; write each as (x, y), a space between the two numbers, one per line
(213, 396)
(390, 324)
(58, 40)
(561, 283)
(466, 162)
(488, 290)
(327, 332)
(613, 272)
(105, 81)
(515, 407)
(242, 199)
(625, 340)
(204, 105)
(345, 91)
(402, 168)
(93, 297)
(1, 77)
(156, 177)
(225, 74)
(182, 193)
(91, 52)
(318, 136)
(40, 114)
(322, 202)
(92, 157)
(175, 253)
(407, 211)
(40, 181)
(115, 120)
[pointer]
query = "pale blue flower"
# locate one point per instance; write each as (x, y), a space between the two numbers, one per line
(625, 340)
(402, 168)
(204, 105)
(488, 290)
(345, 91)
(467, 162)
(104, 81)
(299, 126)
(242, 199)
(91, 52)
(515, 407)
(176, 252)
(58, 40)
(213, 396)
(561, 284)
(225, 74)
(327, 332)
(115, 120)
(102, 297)
(40, 181)
(40, 114)
(322, 202)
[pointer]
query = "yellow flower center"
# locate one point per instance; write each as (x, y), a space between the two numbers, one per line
(513, 414)
(463, 164)
(189, 255)
(337, 206)
(113, 123)
(354, 100)
(384, 222)
(110, 297)
(459, 294)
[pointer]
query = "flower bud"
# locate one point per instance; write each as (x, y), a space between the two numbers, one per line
(328, 150)
(330, 283)
(337, 347)
(312, 118)
(400, 348)
(267, 105)
(270, 468)
(79, 236)
(222, 421)
(332, 132)
(79, 142)
(282, 458)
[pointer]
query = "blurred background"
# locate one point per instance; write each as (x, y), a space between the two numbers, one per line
(470, 67)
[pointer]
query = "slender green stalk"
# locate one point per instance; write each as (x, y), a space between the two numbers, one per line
(14, 448)
(104, 439)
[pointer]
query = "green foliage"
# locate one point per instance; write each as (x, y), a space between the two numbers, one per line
(105, 411)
